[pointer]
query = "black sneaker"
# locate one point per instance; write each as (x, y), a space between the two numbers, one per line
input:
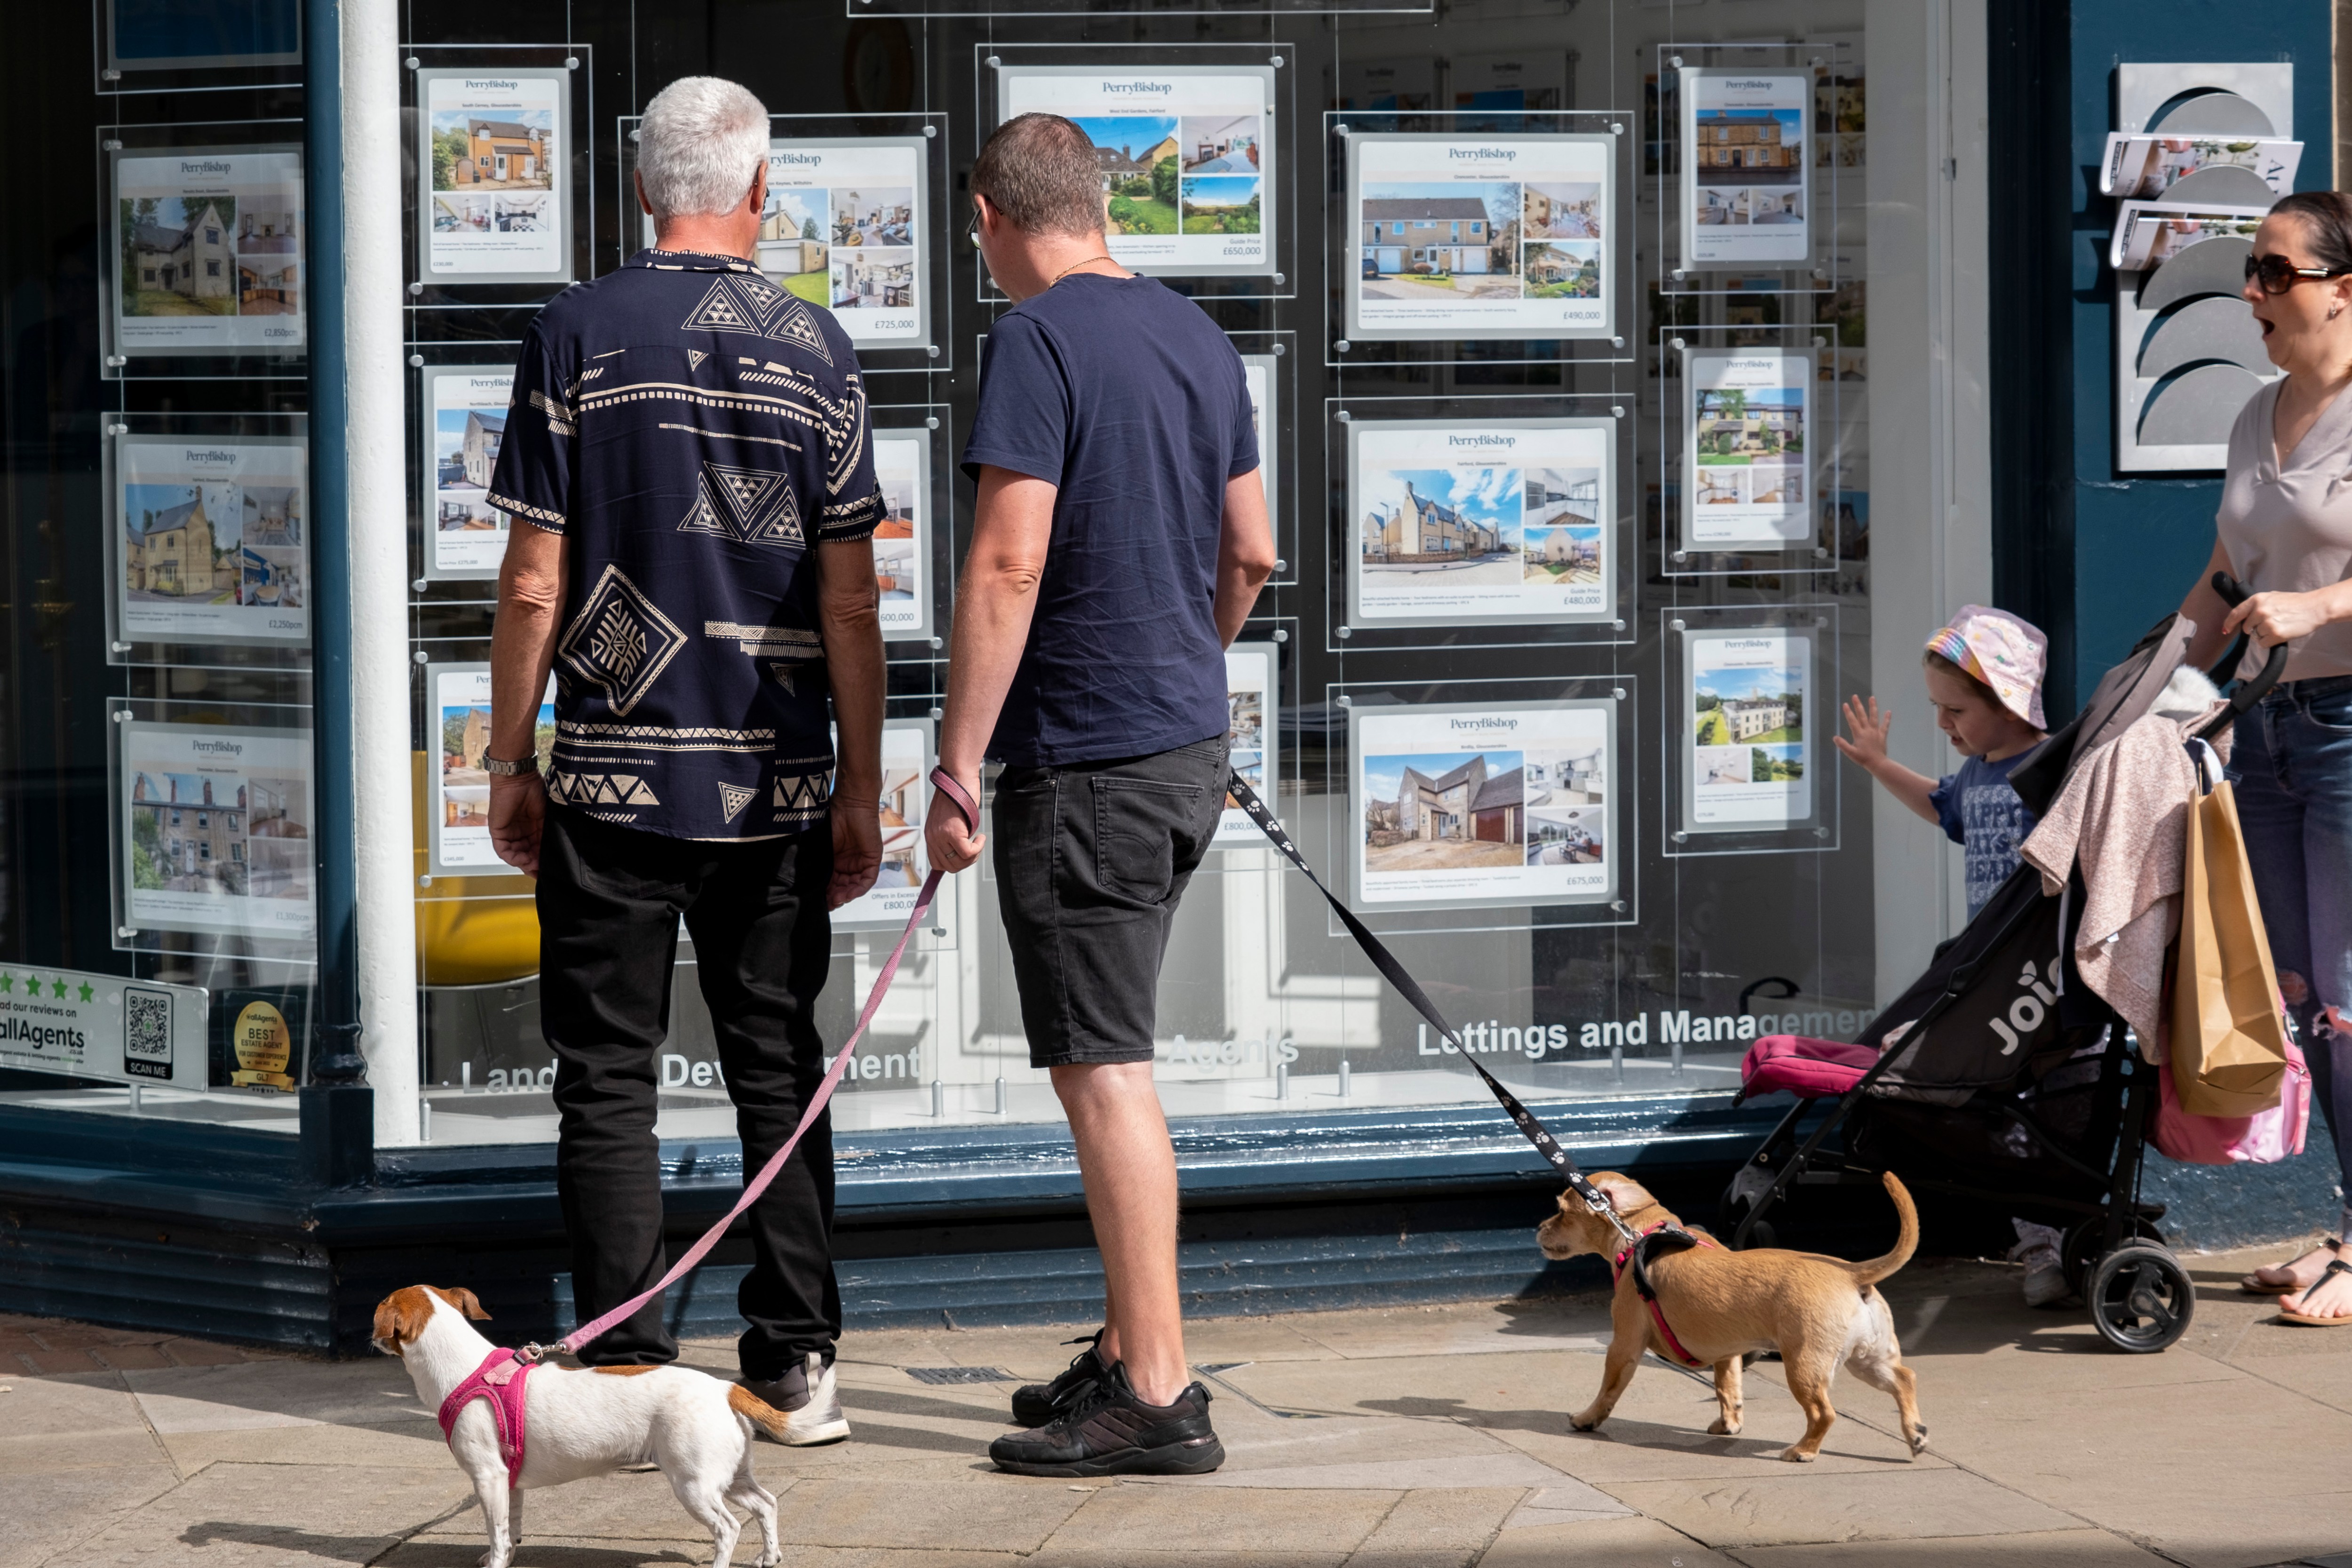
(1110, 1432)
(1035, 1403)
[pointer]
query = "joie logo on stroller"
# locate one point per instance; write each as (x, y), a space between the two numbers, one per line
(2033, 1006)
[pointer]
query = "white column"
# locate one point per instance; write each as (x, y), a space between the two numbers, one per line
(376, 453)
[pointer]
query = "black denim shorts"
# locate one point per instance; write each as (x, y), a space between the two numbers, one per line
(1090, 860)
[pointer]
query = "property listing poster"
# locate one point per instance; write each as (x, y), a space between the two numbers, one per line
(1480, 236)
(902, 540)
(1751, 748)
(1253, 706)
(211, 538)
(494, 147)
(1408, 84)
(1188, 158)
(1745, 463)
(1504, 803)
(1497, 522)
(906, 795)
(208, 251)
(1257, 375)
(216, 830)
(459, 806)
(846, 226)
(1747, 173)
(466, 420)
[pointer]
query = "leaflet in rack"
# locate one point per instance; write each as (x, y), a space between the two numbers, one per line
(1495, 523)
(1188, 155)
(902, 540)
(465, 421)
(1459, 237)
(494, 154)
(211, 538)
(2144, 167)
(208, 251)
(1746, 449)
(1748, 194)
(1492, 804)
(216, 830)
(1748, 731)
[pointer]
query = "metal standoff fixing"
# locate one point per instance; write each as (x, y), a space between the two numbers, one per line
(939, 1099)
(1343, 1078)
(1282, 1081)
(1000, 1094)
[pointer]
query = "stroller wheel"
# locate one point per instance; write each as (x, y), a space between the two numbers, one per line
(2083, 1238)
(2141, 1298)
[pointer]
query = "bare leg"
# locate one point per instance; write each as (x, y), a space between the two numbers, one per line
(1727, 1397)
(1129, 1170)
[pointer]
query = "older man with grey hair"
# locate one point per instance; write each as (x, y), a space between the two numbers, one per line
(692, 488)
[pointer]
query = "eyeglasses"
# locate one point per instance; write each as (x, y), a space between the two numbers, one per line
(2279, 275)
(972, 233)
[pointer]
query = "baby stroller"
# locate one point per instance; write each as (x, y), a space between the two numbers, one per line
(1998, 1076)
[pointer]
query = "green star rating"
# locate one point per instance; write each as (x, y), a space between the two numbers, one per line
(32, 985)
(8, 983)
(58, 988)
(88, 991)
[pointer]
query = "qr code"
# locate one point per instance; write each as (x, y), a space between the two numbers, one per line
(147, 1033)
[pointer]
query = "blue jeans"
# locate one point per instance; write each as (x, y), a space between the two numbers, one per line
(2291, 765)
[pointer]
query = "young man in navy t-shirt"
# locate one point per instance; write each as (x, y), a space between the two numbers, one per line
(1119, 544)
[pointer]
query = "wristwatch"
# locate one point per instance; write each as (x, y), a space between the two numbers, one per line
(497, 769)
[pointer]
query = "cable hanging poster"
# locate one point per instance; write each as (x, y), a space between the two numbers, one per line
(494, 151)
(208, 251)
(1750, 731)
(1745, 445)
(1747, 180)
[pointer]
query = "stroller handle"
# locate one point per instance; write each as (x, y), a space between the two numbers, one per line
(2248, 692)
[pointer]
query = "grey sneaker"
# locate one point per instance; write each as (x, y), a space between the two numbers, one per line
(808, 1399)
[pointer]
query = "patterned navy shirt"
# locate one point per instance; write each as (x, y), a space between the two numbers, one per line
(691, 430)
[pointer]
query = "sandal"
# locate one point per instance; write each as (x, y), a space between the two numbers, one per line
(2338, 1267)
(2251, 1284)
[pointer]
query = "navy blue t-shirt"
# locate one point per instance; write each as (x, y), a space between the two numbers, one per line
(1125, 395)
(1980, 811)
(693, 431)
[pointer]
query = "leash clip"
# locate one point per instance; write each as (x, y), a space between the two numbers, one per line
(532, 1355)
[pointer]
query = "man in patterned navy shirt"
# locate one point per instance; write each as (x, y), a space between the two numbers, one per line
(687, 466)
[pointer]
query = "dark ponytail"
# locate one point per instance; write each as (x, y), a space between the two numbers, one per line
(2327, 224)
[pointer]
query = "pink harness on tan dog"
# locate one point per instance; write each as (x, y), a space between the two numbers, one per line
(499, 1379)
(1637, 1252)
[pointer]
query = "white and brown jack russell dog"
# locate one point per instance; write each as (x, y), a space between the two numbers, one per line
(557, 1424)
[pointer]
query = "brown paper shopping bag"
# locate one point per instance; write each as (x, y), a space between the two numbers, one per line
(2228, 1046)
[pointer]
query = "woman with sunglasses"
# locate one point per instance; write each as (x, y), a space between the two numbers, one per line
(2285, 530)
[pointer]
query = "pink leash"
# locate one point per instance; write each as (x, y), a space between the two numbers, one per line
(571, 1342)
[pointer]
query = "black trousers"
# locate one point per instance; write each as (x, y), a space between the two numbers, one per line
(609, 902)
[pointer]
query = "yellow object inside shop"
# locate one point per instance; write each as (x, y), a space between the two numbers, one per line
(470, 930)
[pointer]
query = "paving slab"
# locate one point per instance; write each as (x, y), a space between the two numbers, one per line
(1803, 1507)
(230, 1516)
(442, 1551)
(403, 1444)
(81, 1451)
(285, 1393)
(94, 1402)
(1469, 1472)
(1601, 1543)
(1427, 1529)
(46, 1513)
(2052, 1549)
(629, 1506)
(993, 1513)
(1118, 1520)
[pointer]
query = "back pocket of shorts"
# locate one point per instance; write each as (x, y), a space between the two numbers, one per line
(1137, 825)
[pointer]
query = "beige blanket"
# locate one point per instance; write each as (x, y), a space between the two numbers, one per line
(2123, 818)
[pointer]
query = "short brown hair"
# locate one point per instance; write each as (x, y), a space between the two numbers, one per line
(1935, 660)
(1042, 172)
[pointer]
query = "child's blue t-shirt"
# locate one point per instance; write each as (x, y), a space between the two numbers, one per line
(1980, 812)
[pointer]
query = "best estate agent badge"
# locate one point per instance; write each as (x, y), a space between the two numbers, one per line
(263, 1045)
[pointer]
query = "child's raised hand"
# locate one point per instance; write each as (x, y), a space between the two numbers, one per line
(1869, 727)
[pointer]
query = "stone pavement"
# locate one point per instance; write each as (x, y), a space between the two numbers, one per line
(1406, 1439)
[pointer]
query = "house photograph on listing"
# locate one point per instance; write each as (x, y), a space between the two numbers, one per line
(179, 256)
(1137, 157)
(1445, 812)
(1448, 240)
(491, 152)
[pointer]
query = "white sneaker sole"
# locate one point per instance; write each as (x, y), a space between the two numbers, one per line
(816, 1433)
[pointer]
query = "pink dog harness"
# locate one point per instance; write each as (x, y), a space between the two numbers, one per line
(499, 1379)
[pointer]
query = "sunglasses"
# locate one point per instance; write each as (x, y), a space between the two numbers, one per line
(2279, 275)
(971, 233)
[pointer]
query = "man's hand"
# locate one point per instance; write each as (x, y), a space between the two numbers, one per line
(953, 843)
(517, 817)
(856, 851)
(1868, 747)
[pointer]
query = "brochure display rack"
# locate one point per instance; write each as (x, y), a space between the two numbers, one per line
(1746, 726)
(501, 203)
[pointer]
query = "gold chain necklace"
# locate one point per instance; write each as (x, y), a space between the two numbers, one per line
(1074, 266)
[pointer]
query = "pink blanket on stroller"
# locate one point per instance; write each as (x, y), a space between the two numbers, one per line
(1806, 1067)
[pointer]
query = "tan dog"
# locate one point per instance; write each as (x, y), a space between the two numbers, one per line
(1817, 1312)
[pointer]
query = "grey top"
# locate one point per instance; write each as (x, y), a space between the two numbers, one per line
(2286, 523)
